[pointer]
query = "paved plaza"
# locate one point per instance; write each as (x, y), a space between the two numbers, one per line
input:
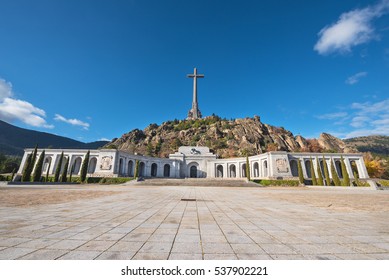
(183, 222)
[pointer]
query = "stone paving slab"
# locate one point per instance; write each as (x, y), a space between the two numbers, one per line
(140, 222)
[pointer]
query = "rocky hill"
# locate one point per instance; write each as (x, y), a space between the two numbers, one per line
(227, 138)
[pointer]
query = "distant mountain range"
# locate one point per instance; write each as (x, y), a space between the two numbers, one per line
(375, 144)
(13, 140)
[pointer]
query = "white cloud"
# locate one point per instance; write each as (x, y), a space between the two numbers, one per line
(332, 116)
(355, 78)
(363, 119)
(5, 89)
(75, 122)
(104, 139)
(353, 28)
(12, 109)
(359, 121)
(373, 108)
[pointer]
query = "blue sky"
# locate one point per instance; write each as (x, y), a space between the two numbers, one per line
(94, 70)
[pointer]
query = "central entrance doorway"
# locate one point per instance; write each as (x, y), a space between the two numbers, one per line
(193, 172)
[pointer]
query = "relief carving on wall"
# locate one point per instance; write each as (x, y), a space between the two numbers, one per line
(282, 166)
(106, 163)
(194, 151)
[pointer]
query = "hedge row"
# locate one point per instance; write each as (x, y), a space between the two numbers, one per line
(384, 183)
(290, 183)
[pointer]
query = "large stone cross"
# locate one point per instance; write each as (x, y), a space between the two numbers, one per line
(195, 113)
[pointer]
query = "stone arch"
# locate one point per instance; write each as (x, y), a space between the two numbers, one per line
(142, 168)
(322, 167)
(121, 166)
(130, 168)
(154, 170)
(219, 171)
(354, 168)
(338, 167)
(193, 170)
(256, 169)
(308, 168)
(77, 165)
(47, 163)
(265, 172)
(244, 170)
(232, 171)
(92, 165)
(294, 168)
(166, 170)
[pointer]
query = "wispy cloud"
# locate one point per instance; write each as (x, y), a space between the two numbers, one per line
(104, 139)
(355, 78)
(359, 121)
(12, 109)
(332, 116)
(75, 122)
(353, 28)
(363, 119)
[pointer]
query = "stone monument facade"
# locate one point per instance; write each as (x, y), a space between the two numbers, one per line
(198, 162)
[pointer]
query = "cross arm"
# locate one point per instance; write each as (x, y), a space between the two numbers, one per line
(197, 76)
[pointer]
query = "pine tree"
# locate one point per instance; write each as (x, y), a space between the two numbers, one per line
(335, 177)
(136, 172)
(346, 178)
(84, 167)
(149, 149)
(47, 173)
(248, 168)
(356, 179)
(25, 177)
(158, 147)
(65, 171)
(300, 172)
(58, 169)
(38, 168)
(313, 175)
(71, 172)
(33, 160)
(30, 166)
(326, 173)
(319, 173)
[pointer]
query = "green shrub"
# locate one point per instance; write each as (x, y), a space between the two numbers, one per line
(26, 175)
(38, 168)
(334, 173)
(384, 183)
(346, 178)
(113, 181)
(64, 177)
(360, 183)
(84, 167)
(58, 169)
(313, 175)
(247, 168)
(300, 172)
(290, 183)
(326, 173)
